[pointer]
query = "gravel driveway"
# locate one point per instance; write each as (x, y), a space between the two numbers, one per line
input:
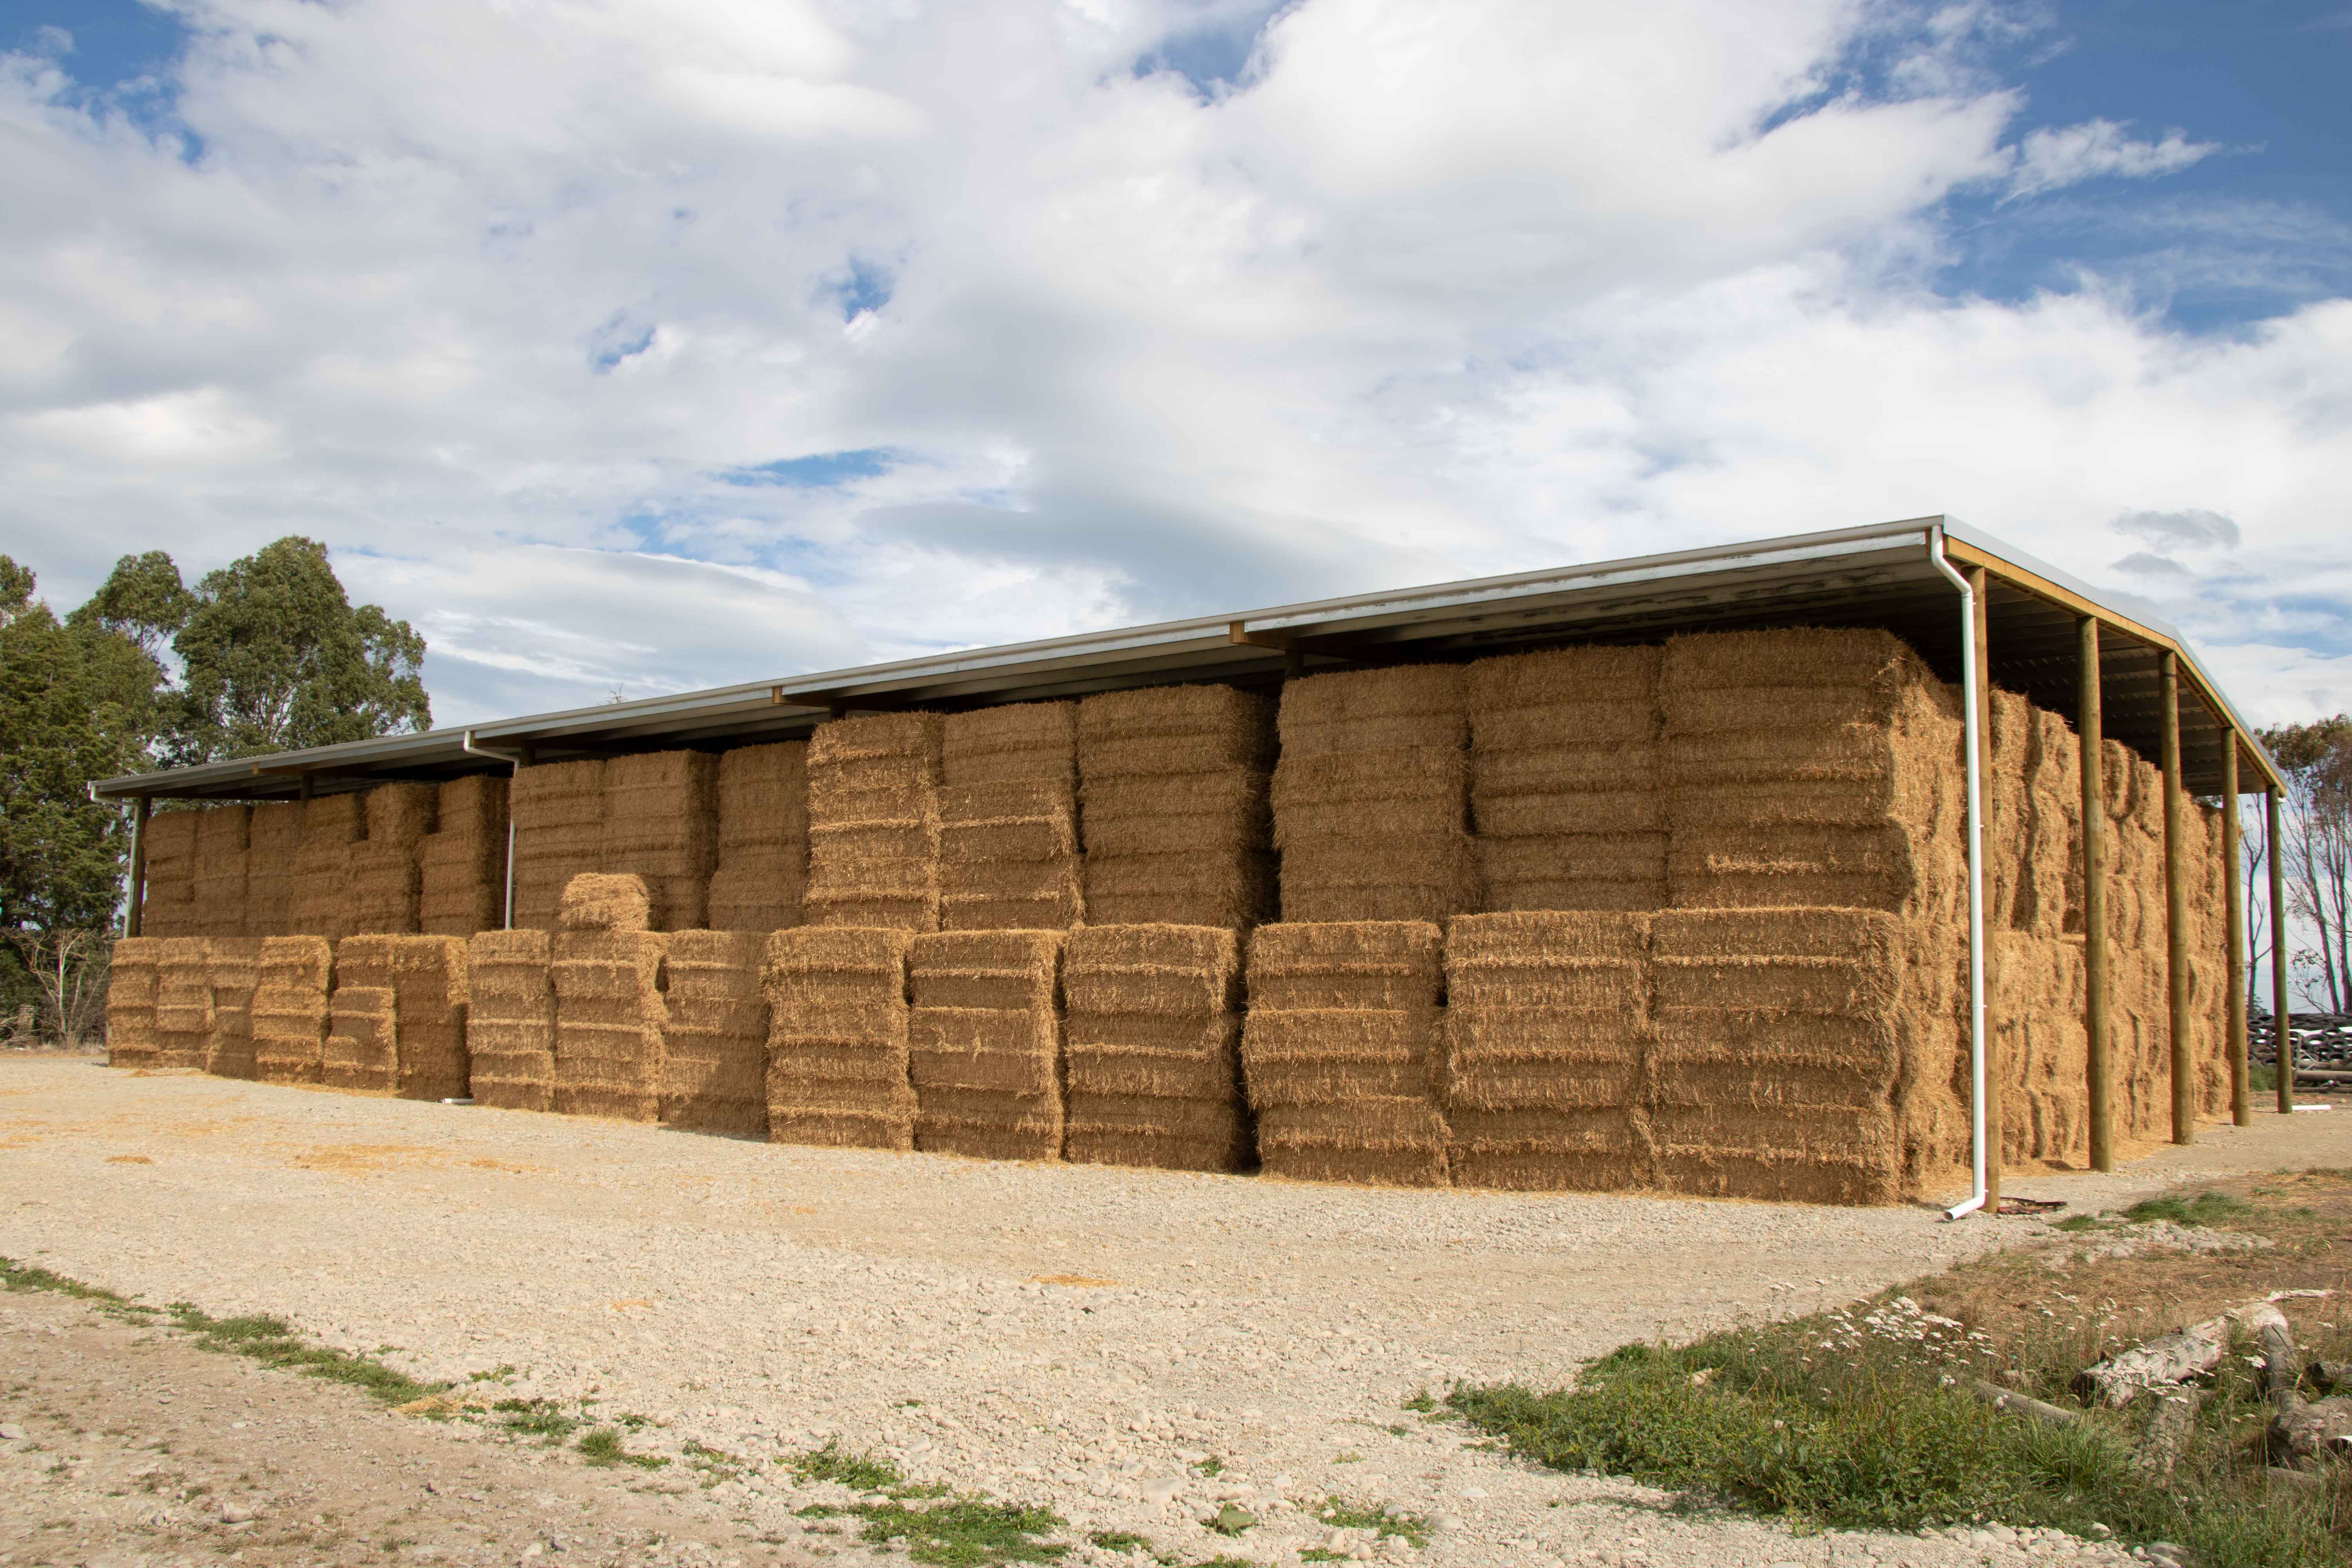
(1080, 1336)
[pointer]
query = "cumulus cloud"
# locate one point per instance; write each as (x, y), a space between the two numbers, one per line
(2052, 158)
(655, 346)
(2195, 528)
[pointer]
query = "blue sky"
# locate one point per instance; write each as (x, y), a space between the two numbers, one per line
(643, 347)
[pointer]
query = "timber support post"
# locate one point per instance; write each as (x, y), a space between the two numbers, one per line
(1979, 591)
(2282, 1043)
(2242, 1113)
(2175, 911)
(134, 904)
(2091, 728)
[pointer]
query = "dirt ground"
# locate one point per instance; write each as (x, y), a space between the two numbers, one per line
(1132, 1349)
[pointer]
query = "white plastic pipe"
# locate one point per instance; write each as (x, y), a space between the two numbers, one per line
(466, 742)
(1974, 745)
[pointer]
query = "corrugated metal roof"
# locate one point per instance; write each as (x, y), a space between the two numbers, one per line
(1881, 575)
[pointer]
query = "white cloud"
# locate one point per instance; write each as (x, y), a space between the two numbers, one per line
(2052, 158)
(512, 305)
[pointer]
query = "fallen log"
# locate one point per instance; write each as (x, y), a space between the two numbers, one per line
(2171, 1418)
(2306, 1431)
(2159, 1363)
(2001, 1398)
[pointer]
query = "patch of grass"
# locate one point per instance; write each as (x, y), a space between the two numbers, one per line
(2075, 1223)
(1118, 1541)
(273, 1342)
(859, 1472)
(1421, 1403)
(535, 1418)
(497, 1374)
(2207, 1208)
(959, 1533)
(1211, 1466)
(600, 1447)
(15, 1276)
(1342, 1515)
(2263, 1077)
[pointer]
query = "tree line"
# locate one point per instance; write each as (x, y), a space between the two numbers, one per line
(265, 654)
(2315, 843)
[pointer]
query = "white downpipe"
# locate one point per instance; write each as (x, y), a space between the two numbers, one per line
(514, 762)
(1969, 677)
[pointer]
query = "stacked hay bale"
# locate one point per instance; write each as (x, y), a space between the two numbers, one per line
(1565, 786)
(273, 851)
(607, 970)
(130, 1001)
(985, 1043)
(429, 1001)
(320, 903)
(1816, 773)
(1371, 796)
(1172, 786)
(1785, 1053)
(762, 845)
(2139, 1010)
(1008, 819)
(233, 971)
(510, 1019)
(874, 822)
(1341, 1051)
(361, 1052)
(2036, 984)
(837, 1037)
(660, 823)
(217, 885)
(184, 1003)
(1548, 1034)
(558, 812)
(1152, 1047)
(385, 878)
(715, 1039)
(291, 1011)
(461, 864)
(169, 906)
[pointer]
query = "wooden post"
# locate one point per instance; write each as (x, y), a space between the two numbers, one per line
(2283, 1055)
(2240, 1112)
(1979, 592)
(134, 907)
(307, 788)
(2175, 911)
(2090, 728)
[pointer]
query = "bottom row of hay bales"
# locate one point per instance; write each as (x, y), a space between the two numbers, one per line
(1798, 1054)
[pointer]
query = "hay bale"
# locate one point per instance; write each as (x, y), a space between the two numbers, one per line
(837, 1037)
(606, 900)
(462, 864)
(1009, 856)
(291, 1014)
(319, 903)
(985, 1043)
(762, 867)
(715, 1038)
(233, 970)
(430, 1000)
(363, 1050)
(558, 812)
(168, 908)
(874, 822)
(385, 888)
(510, 1019)
(184, 1003)
(661, 820)
(131, 991)
(217, 885)
(1341, 1051)
(609, 1015)
(1152, 1038)
(1174, 811)
(273, 846)
(1547, 1036)
(1371, 797)
(1018, 742)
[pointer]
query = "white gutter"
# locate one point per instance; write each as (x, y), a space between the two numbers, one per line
(515, 760)
(1970, 675)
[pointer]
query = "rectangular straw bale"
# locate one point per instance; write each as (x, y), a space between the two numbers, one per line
(184, 1003)
(1009, 854)
(291, 1014)
(837, 1037)
(402, 812)
(273, 844)
(1173, 805)
(761, 859)
(169, 908)
(661, 822)
(1559, 1148)
(1341, 1051)
(384, 888)
(510, 1019)
(1232, 886)
(131, 990)
(1173, 813)
(1366, 709)
(233, 971)
(609, 1015)
(873, 794)
(1019, 743)
(1596, 871)
(430, 1000)
(462, 864)
(218, 885)
(715, 1040)
(2050, 902)
(985, 1043)
(1152, 1047)
(319, 901)
(1157, 1133)
(758, 887)
(606, 900)
(476, 803)
(1164, 730)
(361, 1052)
(558, 812)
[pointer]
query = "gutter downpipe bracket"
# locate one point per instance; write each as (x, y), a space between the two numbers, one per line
(1971, 678)
(514, 762)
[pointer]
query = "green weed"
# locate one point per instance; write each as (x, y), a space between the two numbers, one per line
(1211, 1466)
(273, 1342)
(859, 1472)
(2207, 1208)
(1118, 1541)
(535, 1418)
(1341, 1515)
(601, 1446)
